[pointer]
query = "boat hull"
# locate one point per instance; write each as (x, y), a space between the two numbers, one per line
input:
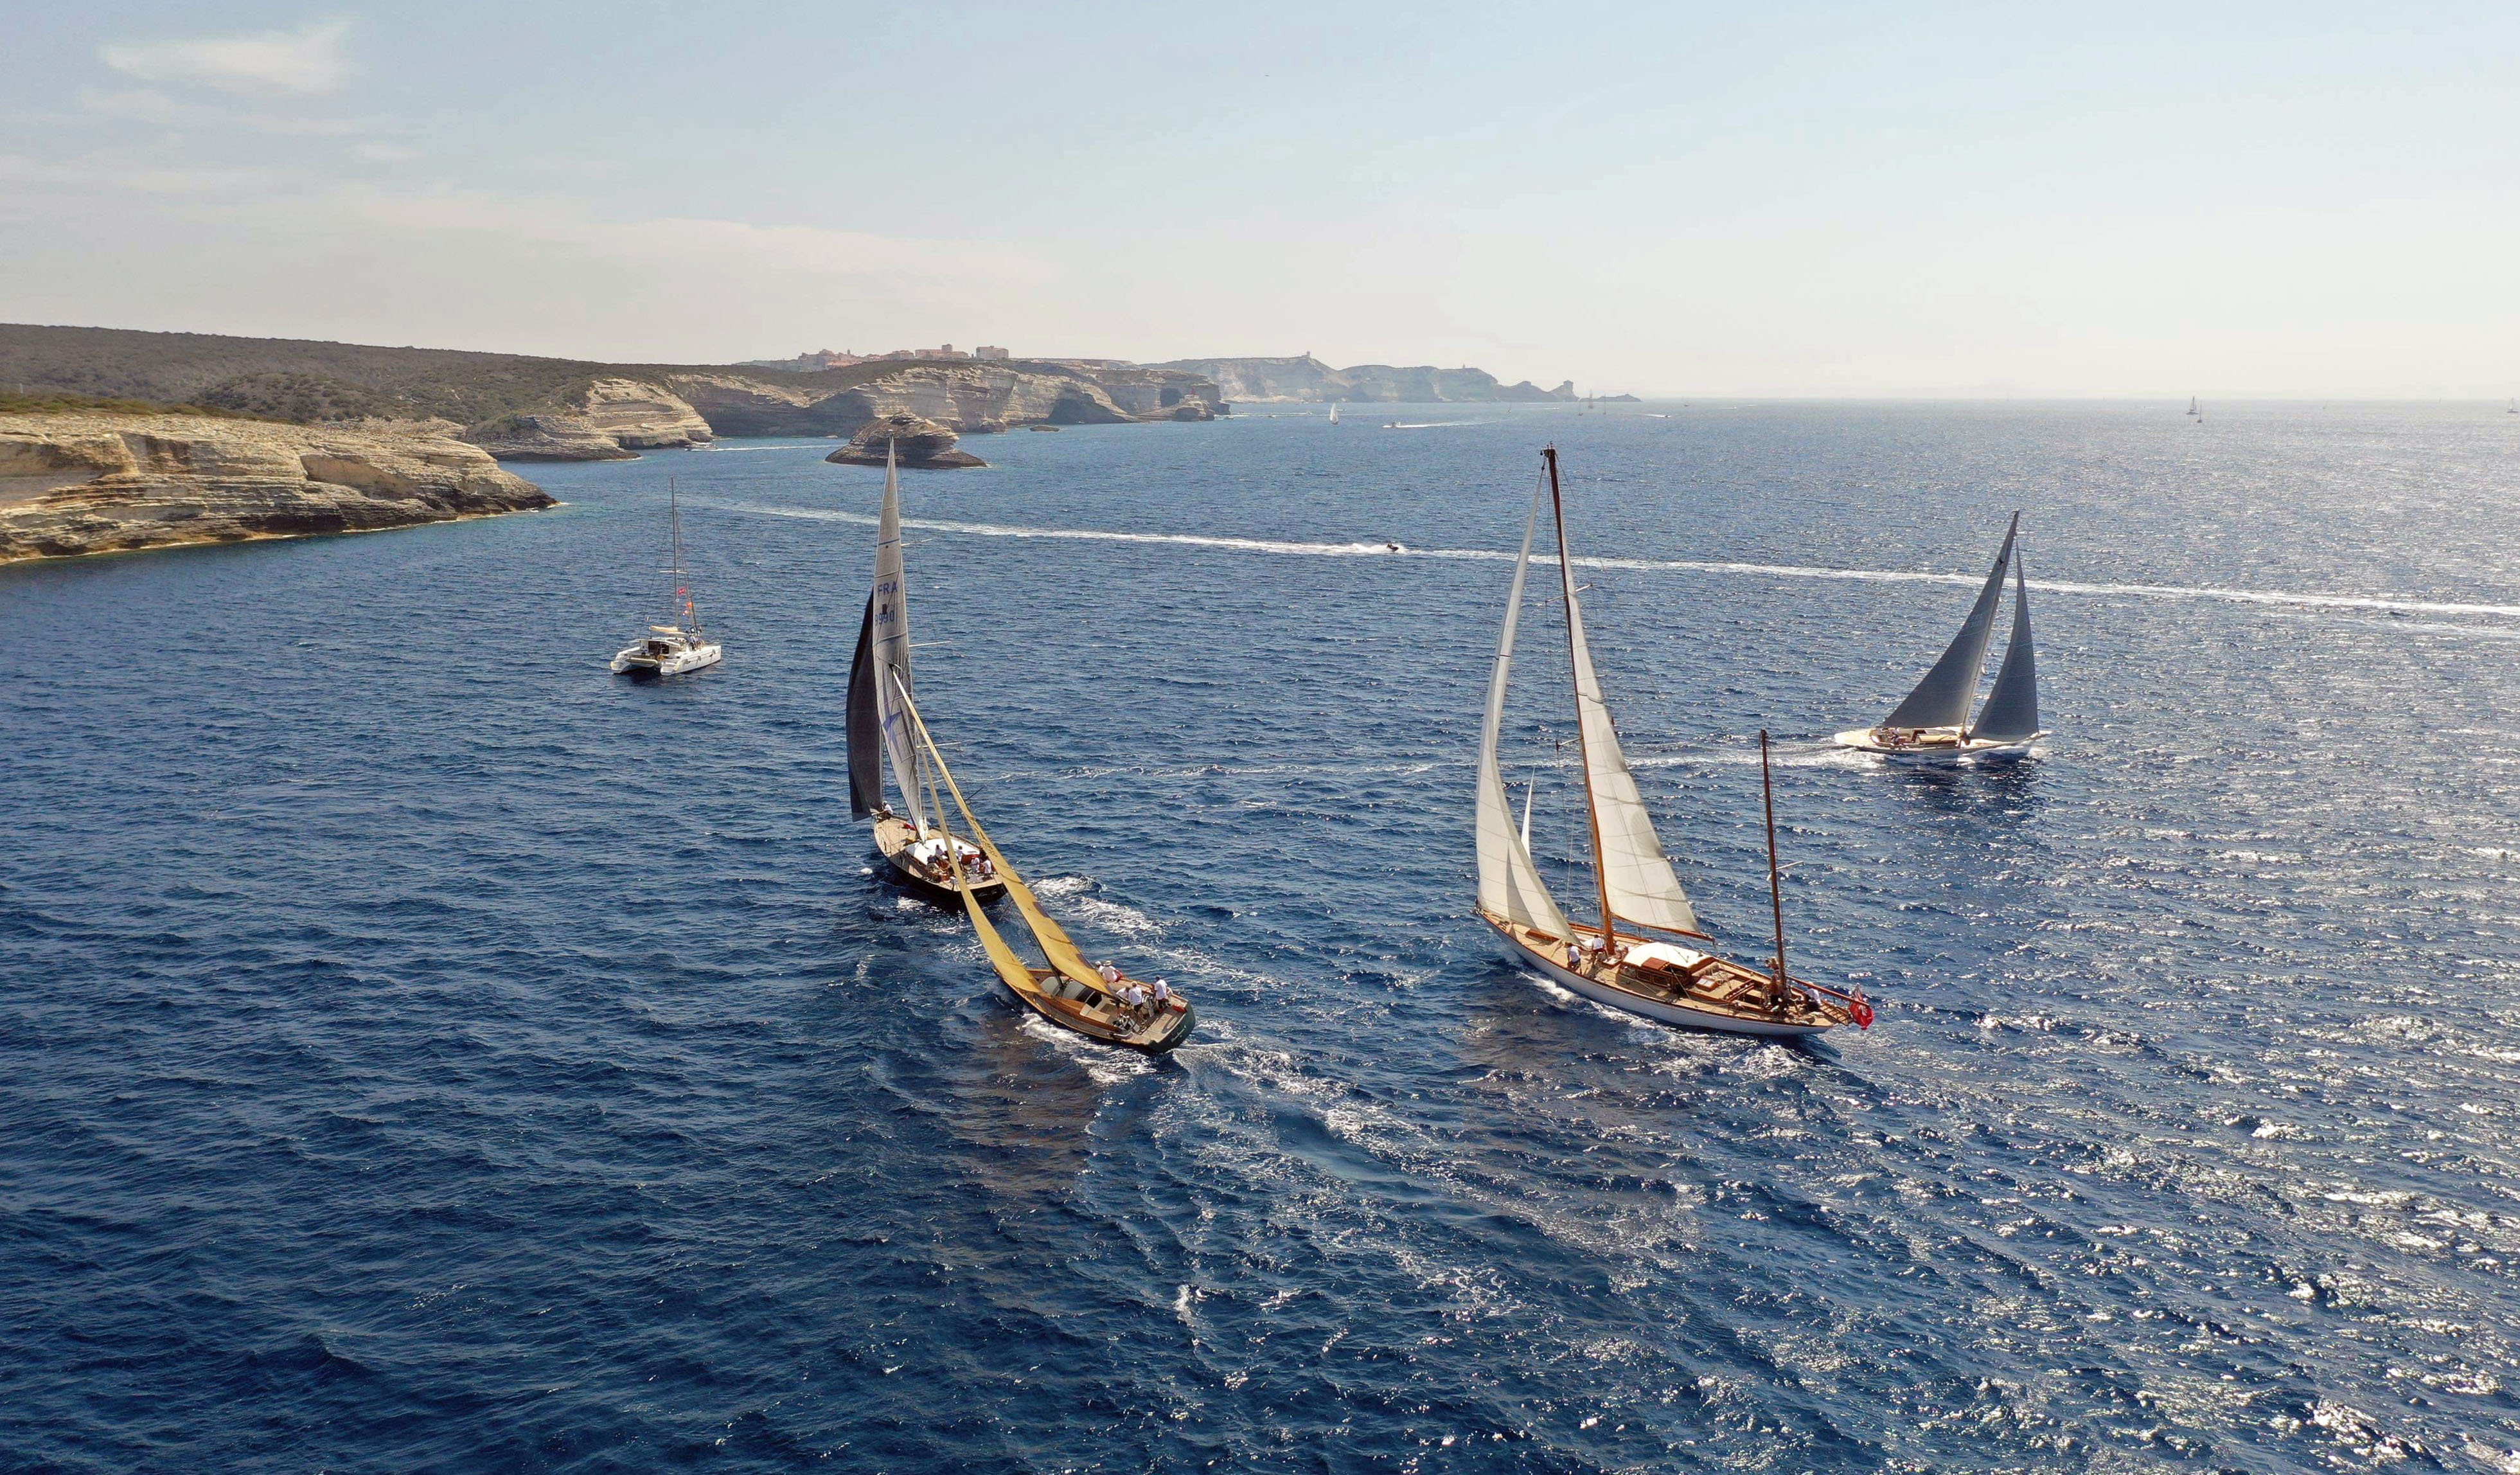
(893, 838)
(635, 662)
(1940, 750)
(1050, 1009)
(1661, 1011)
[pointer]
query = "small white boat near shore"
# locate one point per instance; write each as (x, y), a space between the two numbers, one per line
(1933, 726)
(670, 650)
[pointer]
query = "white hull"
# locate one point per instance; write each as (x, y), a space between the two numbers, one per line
(1629, 1004)
(636, 661)
(1945, 754)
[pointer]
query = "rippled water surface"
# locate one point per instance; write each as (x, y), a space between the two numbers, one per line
(420, 1050)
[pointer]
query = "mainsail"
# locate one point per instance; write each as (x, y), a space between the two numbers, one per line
(1510, 885)
(1055, 945)
(891, 607)
(865, 725)
(2011, 710)
(1942, 698)
(1636, 880)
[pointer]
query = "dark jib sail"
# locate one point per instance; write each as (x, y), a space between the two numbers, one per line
(866, 725)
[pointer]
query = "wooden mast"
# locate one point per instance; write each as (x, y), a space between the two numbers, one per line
(1566, 580)
(1776, 888)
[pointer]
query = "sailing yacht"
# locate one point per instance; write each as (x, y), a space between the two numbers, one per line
(1100, 1003)
(880, 736)
(2195, 409)
(1628, 959)
(1933, 724)
(1335, 407)
(669, 650)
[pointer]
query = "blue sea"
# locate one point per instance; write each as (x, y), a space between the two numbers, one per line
(421, 1049)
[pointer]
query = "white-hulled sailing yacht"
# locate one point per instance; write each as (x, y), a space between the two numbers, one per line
(1620, 961)
(669, 650)
(881, 729)
(1933, 726)
(1334, 408)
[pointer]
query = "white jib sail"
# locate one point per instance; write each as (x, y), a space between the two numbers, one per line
(2011, 710)
(1641, 886)
(892, 648)
(1943, 698)
(1510, 885)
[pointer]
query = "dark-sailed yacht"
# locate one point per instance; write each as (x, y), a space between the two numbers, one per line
(881, 737)
(1935, 725)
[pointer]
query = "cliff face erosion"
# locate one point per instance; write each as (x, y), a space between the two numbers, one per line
(77, 483)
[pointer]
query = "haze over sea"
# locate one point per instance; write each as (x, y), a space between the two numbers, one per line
(421, 1049)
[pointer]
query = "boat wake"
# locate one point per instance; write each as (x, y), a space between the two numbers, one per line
(1284, 548)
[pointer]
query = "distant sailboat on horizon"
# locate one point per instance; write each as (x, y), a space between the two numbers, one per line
(2195, 409)
(1932, 724)
(1334, 408)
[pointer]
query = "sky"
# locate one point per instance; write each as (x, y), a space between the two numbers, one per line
(1790, 200)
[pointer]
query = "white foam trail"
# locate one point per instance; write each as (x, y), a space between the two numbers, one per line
(1280, 549)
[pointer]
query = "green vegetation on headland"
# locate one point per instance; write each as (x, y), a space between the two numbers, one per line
(56, 402)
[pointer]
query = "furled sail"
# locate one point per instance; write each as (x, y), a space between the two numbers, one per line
(1510, 885)
(1638, 875)
(865, 725)
(1943, 698)
(891, 610)
(2011, 710)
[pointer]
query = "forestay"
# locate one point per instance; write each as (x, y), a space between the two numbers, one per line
(2011, 710)
(1634, 871)
(1943, 698)
(892, 648)
(1510, 884)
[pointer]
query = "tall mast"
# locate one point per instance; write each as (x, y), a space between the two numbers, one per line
(674, 522)
(1566, 580)
(1776, 888)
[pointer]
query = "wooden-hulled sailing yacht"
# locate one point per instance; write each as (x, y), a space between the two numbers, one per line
(669, 650)
(1933, 724)
(1100, 1003)
(1625, 960)
(880, 735)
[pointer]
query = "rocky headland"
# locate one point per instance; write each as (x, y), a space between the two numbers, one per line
(1306, 380)
(916, 442)
(89, 482)
(522, 408)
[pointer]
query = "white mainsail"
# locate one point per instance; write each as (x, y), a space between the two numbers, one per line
(892, 648)
(1510, 885)
(2011, 710)
(1634, 868)
(1943, 698)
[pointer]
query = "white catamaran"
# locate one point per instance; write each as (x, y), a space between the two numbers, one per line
(669, 650)
(1632, 970)
(881, 730)
(1933, 724)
